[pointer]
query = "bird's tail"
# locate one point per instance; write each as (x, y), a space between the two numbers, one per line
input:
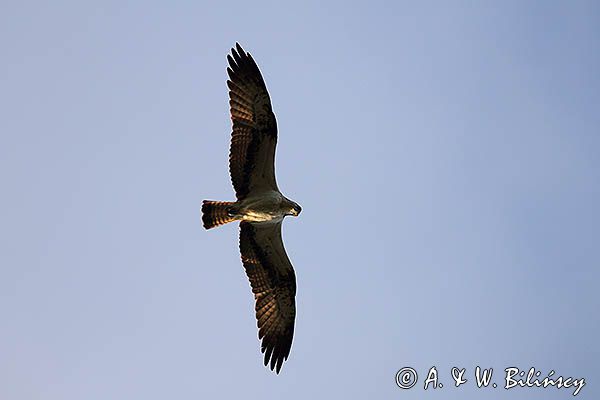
(215, 213)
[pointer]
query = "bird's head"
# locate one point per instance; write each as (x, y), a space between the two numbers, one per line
(294, 209)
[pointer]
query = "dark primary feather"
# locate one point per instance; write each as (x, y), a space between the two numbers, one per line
(254, 133)
(273, 283)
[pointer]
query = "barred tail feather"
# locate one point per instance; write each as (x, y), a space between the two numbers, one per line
(215, 213)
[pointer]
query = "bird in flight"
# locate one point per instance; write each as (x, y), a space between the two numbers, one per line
(260, 207)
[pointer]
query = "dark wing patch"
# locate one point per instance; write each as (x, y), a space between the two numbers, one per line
(273, 283)
(254, 134)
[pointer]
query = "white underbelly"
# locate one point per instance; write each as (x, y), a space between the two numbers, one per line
(252, 216)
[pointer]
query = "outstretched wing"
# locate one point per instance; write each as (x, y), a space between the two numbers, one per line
(274, 286)
(254, 135)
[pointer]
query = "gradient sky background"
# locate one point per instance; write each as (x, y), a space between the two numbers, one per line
(446, 155)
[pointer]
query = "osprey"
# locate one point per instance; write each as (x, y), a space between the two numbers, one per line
(260, 207)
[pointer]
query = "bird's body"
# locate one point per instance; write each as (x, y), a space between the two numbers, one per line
(260, 207)
(269, 206)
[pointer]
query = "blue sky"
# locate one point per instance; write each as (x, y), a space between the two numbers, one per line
(445, 155)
